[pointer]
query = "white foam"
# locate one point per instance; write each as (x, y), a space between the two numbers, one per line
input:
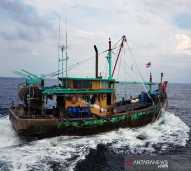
(8, 136)
(169, 129)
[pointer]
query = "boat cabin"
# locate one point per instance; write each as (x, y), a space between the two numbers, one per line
(90, 93)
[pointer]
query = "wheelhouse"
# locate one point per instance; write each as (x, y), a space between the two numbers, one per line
(82, 92)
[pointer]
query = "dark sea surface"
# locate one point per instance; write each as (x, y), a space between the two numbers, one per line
(168, 138)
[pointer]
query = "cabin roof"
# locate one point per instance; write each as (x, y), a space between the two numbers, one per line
(62, 91)
(87, 78)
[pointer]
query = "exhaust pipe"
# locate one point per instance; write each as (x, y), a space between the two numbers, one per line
(96, 61)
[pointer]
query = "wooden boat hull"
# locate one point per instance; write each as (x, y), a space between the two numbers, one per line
(51, 126)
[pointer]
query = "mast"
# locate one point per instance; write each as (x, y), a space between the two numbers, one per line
(150, 83)
(161, 77)
(121, 46)
(109, 60)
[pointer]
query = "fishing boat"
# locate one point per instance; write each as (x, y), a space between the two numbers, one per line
(83, 105)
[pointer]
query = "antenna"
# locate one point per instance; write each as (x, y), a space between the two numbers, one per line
(62, 49)
(66, 49)
(59, 29)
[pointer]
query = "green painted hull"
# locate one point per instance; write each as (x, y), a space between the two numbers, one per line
(84, 126)
(132, 117)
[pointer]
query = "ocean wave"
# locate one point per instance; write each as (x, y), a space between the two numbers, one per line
(64, 152)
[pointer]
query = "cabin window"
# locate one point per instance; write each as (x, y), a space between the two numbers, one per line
(82, 84)
(104, 84)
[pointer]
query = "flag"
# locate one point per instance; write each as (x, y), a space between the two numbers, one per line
(147, 65)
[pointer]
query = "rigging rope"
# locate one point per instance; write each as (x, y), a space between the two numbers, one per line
(56, 73)
(139, 73)
(141, 77)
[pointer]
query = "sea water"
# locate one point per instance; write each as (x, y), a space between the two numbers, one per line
(168, 136)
